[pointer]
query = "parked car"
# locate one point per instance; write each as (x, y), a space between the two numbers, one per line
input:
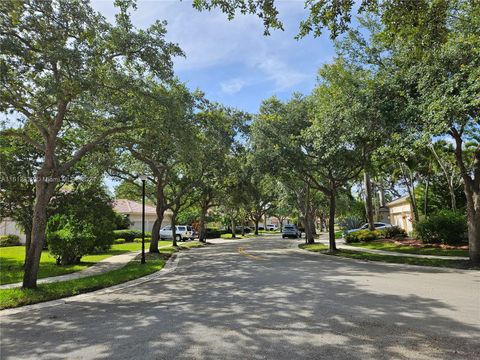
(378, 226)
(291, 230)
(238, 229)
(272, 227)
(182, 232)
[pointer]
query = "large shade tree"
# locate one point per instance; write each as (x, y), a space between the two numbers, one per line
(71, 75)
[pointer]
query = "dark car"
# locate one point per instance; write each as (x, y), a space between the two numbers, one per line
(291, 231)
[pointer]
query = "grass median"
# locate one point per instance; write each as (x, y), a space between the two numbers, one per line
(456, 264)
(10, 298)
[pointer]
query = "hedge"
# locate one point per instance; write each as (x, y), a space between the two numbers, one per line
(130, 235)
(9, 240)
(445, 227)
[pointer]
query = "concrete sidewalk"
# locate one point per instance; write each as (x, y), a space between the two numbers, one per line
(109, 264)
(341, 245)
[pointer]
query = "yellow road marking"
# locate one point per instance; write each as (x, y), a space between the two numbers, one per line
(241, 251)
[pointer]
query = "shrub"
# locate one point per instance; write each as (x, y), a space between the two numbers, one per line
(213, 233)
(348, 223)
(128, 235)
(394, 232)
(70, 242)
(9, 240)
(122, 221)
(362, 236)
(119, 241)
(139, 240)
(445, 227)
(85, 207)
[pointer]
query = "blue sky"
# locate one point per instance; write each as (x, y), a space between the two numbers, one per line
(232, 61)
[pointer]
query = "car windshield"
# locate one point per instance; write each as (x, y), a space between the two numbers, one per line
(181, 228)
(288, 227)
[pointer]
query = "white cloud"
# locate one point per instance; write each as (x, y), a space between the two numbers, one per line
(232, 86)
(210, 42)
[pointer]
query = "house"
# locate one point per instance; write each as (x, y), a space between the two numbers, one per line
(129, 208)
(10, 227)
(133, 210)
(401, 213)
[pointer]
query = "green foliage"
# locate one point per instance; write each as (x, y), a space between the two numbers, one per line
(213, 233)
(87, 207)
(445, 227)
(128, 235)
(393, 232)
(9, 240)
(68, 240)
(139, 240)
(122, 222)
(363, 236)
(119, 241)
(348, 223)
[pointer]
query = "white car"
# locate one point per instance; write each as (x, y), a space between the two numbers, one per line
(378, 226)
(182, 232)
(272, 227)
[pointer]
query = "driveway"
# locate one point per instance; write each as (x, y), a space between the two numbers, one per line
(262, 299)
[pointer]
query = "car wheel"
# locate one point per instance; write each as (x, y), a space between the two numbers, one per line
(283, 237)
(179, 238)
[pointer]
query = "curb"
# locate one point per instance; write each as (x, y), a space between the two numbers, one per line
(169, 267)
(419, 267)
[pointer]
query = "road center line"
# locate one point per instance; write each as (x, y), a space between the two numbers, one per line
(241, 251)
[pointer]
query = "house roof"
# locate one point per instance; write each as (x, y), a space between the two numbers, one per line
(403, 199)
(125, 206)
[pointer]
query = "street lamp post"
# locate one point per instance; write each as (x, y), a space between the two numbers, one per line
(143, 178)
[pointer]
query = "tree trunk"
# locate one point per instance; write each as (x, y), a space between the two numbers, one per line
(234, 230)
(411, 192)
(257, 220)
(331, 223)
(174, 229)
(28, 241)
(425, 198)
(243, 226)
(160, 211)
(472, 193)
(155, 235)
(368, 200)
(43, 194)
(203, 229)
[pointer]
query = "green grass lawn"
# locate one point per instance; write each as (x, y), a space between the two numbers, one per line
(387, 246)
(18, 297)
(12, 258)
(338, 234)
(457, 264)
(238, 236)
(313, 247)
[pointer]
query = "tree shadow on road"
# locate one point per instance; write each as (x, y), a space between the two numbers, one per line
(220, 305)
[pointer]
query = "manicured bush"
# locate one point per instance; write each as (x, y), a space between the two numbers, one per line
(363, 236)
(213, 233)
(9, 240)
(68, 241)
(445, 227)
(128, 235)
(139, 239)
(119, 241)
(394, 232)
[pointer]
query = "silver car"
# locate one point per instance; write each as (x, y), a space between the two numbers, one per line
(290, 230)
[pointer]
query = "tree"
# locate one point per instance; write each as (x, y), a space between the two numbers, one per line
(71, 75)
(436, 55)
(18, 165)
(217, 131)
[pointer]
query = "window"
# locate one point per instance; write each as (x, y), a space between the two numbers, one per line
(166, 228)
(181, 228)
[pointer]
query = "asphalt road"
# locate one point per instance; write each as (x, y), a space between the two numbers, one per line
(262, 299)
